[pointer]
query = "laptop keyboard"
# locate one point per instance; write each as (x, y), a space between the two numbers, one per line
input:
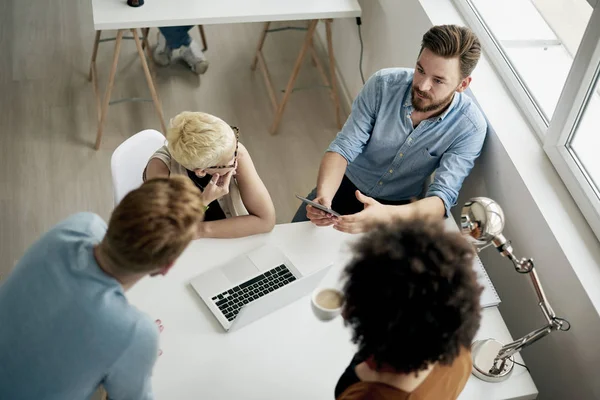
(230, 301)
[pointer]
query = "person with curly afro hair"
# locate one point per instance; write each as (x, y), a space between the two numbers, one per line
(412, 303)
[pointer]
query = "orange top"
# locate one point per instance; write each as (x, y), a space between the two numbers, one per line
(445, 382)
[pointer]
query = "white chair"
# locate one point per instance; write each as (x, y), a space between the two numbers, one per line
(129, 160)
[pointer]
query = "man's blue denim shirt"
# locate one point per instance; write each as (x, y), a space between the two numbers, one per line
(389, 159)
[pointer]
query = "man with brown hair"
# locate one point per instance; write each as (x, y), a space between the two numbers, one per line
(66, 324)
(405, 124)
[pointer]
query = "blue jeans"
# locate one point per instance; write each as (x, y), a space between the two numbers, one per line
(177, 36)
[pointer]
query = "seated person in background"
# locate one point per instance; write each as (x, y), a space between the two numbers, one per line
(412, 303)
(66, 324)
(177, 37)
(207, 150)
(404, 125)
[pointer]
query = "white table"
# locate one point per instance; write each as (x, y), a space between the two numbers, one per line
(116, 14)
(288, 354)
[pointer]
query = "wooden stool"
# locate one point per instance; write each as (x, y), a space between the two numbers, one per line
(308, 45)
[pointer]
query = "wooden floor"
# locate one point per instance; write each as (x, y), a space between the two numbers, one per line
(48, 168)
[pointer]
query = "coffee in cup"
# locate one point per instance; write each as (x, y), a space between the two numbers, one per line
(327, 303)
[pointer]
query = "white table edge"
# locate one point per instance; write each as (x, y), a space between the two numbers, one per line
(114, 25)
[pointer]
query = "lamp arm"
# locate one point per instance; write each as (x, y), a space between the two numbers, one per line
(526, 266)
(516, 346)
(554, 323)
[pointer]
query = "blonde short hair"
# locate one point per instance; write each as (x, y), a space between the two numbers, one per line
(198, 140)
(153, 224)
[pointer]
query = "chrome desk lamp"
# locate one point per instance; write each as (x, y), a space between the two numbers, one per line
(483, 220)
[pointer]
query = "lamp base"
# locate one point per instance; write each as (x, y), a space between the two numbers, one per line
(483, 353)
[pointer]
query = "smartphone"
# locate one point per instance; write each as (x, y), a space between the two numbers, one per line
(319, 206)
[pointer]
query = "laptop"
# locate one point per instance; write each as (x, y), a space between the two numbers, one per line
(252, 286)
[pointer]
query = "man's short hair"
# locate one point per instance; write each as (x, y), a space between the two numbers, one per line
(412, 296)
(198, 140)
(450, 41)
(153, 224)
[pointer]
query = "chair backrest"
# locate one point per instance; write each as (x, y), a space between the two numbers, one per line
(129, 160)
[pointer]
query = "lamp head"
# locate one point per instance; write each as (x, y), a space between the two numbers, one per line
(482, 219)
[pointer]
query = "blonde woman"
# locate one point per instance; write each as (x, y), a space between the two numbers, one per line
(207, 150)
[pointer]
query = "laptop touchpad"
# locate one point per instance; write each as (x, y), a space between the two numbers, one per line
(267, 257)
(240, 272)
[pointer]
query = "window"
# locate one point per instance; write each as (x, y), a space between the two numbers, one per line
(548, 53)
(584, 141)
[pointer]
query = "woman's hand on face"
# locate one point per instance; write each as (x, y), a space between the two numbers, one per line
(217, 187)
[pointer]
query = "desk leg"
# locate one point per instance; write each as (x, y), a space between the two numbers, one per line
(312, 50)
(94, 54)
(109, 86)
(157, 106)
(261, 43)
(317, 63)
(145, 43)
(290, 85)
(259, 57)
(334, 93)
(93, 76)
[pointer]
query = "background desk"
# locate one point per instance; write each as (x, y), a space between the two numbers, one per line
(286, 355)
(116, 14)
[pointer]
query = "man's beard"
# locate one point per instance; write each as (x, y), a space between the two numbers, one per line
(431, 107)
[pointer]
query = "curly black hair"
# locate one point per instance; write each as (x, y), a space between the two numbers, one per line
(412, 296)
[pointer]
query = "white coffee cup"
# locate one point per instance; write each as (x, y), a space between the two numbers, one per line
(327, 303)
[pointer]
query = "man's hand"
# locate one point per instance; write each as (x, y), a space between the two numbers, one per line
(216, 188)
(374, 212)
(318, 217)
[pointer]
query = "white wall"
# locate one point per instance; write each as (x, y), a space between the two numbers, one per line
(391, 30)
(563, 365)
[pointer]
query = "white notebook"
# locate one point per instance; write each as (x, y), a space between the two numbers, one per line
(489, 296)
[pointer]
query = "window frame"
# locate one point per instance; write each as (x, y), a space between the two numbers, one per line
(501, 63)
(554, 134)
